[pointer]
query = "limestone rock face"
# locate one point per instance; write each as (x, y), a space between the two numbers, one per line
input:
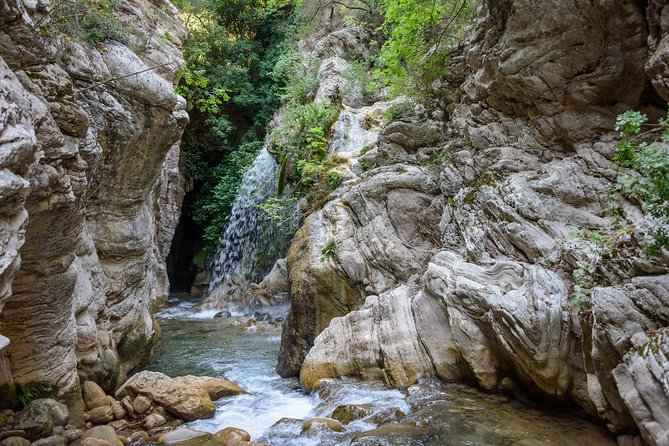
(85, 162)
(454, 256)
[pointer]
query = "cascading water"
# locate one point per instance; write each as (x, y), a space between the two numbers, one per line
(348, 134)
(237, 262)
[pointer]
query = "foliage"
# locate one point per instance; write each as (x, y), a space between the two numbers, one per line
(89, 20)
(593, 246)
(643, 177)
(237, 61)
(32, 391)
(419, 35)
(399, 110)
(644, 172)
(329, 250)
(301, 141)
(213, 205)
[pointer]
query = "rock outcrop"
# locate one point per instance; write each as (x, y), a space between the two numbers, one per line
(89, 191)
(455, 256)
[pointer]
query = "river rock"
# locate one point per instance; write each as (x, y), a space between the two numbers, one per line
(60, 414)
(118, 410)
(184, 437)
(322, 423)
(72, 434)
(95, 442)
(101, 415)
(178, 397)
(141, 404)
(126, 402)
(102, 433)
(14, 441)
(35, 419)
(347, 413)
(138, 436)
(154, 420)
(216, 387)
(230, 436)
(389, 415)
(93, 395)
(54, 440)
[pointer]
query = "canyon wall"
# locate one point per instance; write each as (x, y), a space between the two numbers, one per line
(90, 192)
(455, 255)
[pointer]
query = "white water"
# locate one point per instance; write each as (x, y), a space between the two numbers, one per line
(236, 259)
(348, 134)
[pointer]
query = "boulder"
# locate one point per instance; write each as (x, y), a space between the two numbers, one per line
(14, 441)
(184, 437)
(60, 415)
(35, 419)
(118, 410)
(154, 420)
(347, 413)
(54, 440)
(95, 442)
(100, 415)
(322, 423)
(104, 433)
(141, 404)
(216, 387)
(93, 395)
(183, 400)
(230, 436)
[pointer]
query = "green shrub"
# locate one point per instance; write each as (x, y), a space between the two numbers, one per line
(644, 172)
(32, 391)
(87, 20)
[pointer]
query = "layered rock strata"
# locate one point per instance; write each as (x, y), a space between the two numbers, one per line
(455, 257)
(89, 191)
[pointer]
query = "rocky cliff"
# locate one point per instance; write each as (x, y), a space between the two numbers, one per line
(455, 256)
(89, 191)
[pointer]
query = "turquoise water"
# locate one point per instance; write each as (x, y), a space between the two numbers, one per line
(436, 413)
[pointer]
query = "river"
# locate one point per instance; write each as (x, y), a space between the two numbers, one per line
(435, 413)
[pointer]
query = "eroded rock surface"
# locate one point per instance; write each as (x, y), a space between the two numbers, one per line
(455, 256)
(85, 163)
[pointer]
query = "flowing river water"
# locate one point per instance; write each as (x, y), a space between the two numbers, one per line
(274, 410)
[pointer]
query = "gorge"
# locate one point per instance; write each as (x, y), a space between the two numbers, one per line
(462, 246)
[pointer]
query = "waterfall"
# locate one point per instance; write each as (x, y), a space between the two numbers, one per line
(348, 134)
(237, 262)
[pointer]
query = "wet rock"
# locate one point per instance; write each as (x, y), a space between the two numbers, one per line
(54, 440)
(138, 437)
(93, 395)
(185, 401)
(230, 436)
(394, 432)
(154, 420)
(184, 437)
(322, 423)
(103, 433)
(14, 441)
(100, 415)
(347, 413)
(216, 388)
(222, 314)
(35, 420)
(141, 404)
(385, 416)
